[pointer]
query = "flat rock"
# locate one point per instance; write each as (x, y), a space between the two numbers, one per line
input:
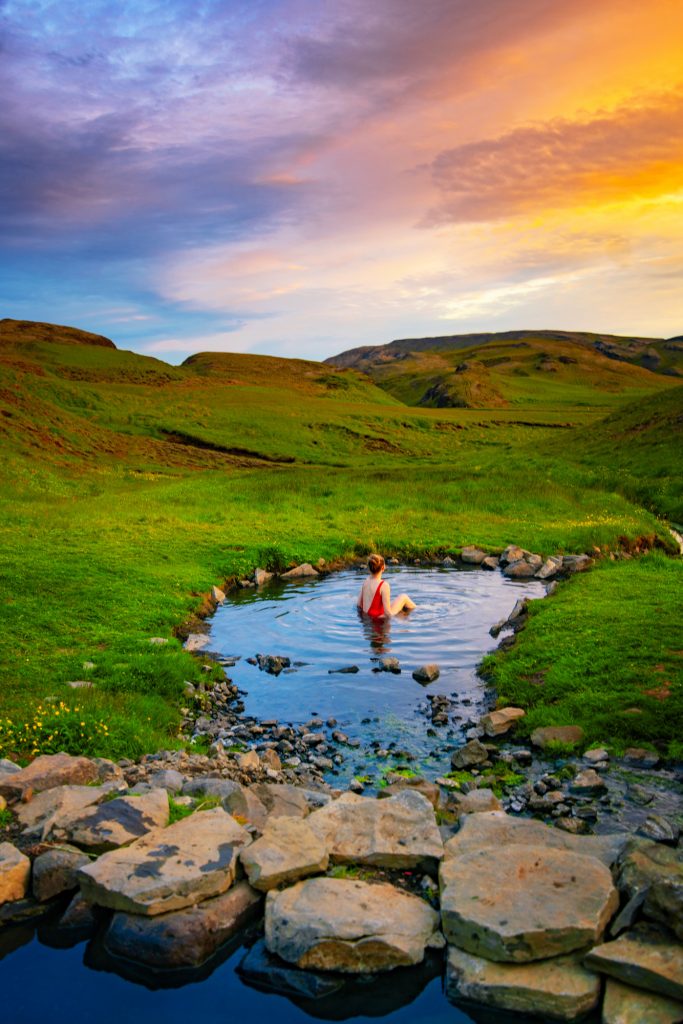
(114, 823)
(644, 957)
(473, 753)
(15, 871)
(236, 799)
(474, 802)
(557, 989)
(624, 1004)
(191, 860)
(521, 903)
(305, 569)
(281, 801)
(656, 871)
(55, 871)
(45, 772)
(337, 924)
(556, 734)
(400, 832)
(288, 850)
(263, 970)
(183, 938)
(427, 673)
(497, 723)
(472, 556)
(429, 790)
(495, 830)
(196, 642)
(47, 809)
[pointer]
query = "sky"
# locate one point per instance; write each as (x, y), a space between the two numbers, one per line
(299, 177)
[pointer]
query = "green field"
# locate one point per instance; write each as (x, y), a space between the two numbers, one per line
(131, 486)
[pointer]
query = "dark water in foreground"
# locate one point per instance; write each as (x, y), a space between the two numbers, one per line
(315, 622)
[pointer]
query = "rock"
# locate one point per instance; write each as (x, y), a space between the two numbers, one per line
(512, 554)
(50, 807)
(249, 762)
(183, 938)
(490, 562)
(644, 957)
(158, 641)
(472, 753)
(235, 799)
(54, 871)
(498, 830)
(337, 924)
(270, 759)
(587, 783)
(550, 568)
(288, 850)
(624, 1004)
(427, 673)
(196, 642)
(472, 556)
(575, 826)
(305, 569)
(168, 779)
(46, 772)
(448, 562)
(273, 664)
(638, 757)
(474, 802)
(557, 989)
(521, 903)
(347, 670)
(264, 971)
(659, 828)
(15, 871)
(80, 684)
(429, 790)
(400, 832)
(577, 563)
(389, 665)
(519, 570)
(281, 801)
(570, 734)
(114, 823)
(261, 577)
(217, 595)
(497, 723)
(8, 767)
(79, 918)
(655, 872)
(596, 755)
(191, 860)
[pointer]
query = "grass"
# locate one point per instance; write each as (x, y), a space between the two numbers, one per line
(132, 486)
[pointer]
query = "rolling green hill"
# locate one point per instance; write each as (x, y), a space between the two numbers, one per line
(131, 486)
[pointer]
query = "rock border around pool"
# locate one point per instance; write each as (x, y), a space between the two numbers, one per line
(529, 913)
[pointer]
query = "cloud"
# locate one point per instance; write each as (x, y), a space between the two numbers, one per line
(634, 151)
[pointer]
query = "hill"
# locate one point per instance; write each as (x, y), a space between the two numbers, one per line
(516, 367)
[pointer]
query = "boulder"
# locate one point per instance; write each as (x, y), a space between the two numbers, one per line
(336, 924)
(656, 872)
(183, 938)
(170, 868)
(46, 772)
(659, 828)
(588, 783)
(168, 779)
(400, 832)
(476, 801)
(639, 757)
(305, 569)
(15, 871)
(8, 767)
(490, 562)
(473, 753)
(542, 737)
(427, 673)
(261, 577)
(497, 723)
(550, 568)
(512, 553)
(577, 563)
(497, 830)
(217, 595)
(389, 665)
(249, 761)
(472, 556)
(271, 760)
(557, 989)
(398, 784)
(114, 823)
(520, 570)
(288, 850)
(273, 664)
(595, 755)
(196, 642)
(281, 801)
(54, 871)
(644, 957)
(521, 903)
(624, 1004)
(80, 918)
(49, 808)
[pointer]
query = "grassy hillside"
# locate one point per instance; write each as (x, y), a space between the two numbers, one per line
(131, 486)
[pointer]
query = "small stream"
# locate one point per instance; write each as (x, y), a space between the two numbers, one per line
(316, 624)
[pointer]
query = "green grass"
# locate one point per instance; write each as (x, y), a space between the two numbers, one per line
(131, 487)
(605, 653)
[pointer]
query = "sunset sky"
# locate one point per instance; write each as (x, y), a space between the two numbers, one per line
(298, 177)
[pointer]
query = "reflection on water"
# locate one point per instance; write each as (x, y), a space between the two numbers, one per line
(377, 631)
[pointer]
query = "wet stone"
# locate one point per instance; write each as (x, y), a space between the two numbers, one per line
(659, 828)
(624, 1004)
(644, 957)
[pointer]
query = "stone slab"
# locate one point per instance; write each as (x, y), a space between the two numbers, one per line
(46, 810)
(624, 1004)
(114, 823)
(644, 957)
(15, 871)
(171, 868)
(288, 850)
(45, 772)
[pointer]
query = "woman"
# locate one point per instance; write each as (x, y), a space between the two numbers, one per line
(375, 594)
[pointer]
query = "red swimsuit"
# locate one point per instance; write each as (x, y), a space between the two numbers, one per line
(376, 609)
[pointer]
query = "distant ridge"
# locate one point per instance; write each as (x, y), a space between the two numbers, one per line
(33, 331)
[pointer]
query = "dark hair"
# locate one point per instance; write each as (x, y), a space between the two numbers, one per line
(375, 564)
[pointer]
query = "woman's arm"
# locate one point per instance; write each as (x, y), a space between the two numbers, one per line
(386, 597)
